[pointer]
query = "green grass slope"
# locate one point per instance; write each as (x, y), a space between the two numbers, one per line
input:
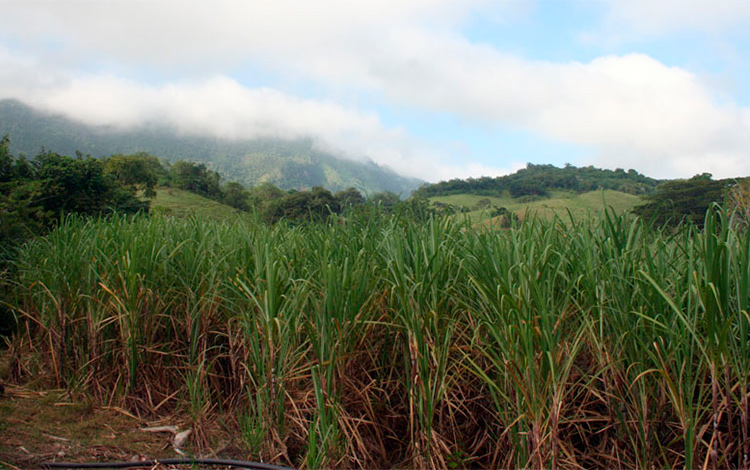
(180, 203)
(559, 204)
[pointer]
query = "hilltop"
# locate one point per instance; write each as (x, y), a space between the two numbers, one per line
(542, 190)
(540, 180)
(560, 203)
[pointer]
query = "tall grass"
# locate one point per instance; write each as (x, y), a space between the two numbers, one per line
(573, 342)
(422, 272)
(530, 334)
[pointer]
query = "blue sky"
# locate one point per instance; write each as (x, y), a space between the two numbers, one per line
(431, 88)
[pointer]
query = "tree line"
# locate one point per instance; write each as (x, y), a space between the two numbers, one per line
(35, 193)
(687, 200)
(539, 180)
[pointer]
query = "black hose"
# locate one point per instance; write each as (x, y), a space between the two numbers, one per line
(154, 462)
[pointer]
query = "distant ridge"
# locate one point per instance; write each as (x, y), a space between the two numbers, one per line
(537, 181)
(289, 164)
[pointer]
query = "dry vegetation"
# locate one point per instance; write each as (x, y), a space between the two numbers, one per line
(38, 427)
(593, 343)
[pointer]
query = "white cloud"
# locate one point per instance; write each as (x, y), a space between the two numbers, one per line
(652, 17)
(629, 110)
(221, 107)
(21, 74)
(634, 110)
(183, 32)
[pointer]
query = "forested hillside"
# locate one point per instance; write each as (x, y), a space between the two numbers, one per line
(35, 194)
(677, 201)
(538, 180)
(297, 164)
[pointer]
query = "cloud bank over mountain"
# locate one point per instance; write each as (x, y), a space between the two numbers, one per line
(356, 76)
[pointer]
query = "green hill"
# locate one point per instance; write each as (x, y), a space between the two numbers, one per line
(544, 190)
(295, 164)
(180, 203)
(559, 203)
(541, 180)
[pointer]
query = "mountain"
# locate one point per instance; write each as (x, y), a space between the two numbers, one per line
(289, 164)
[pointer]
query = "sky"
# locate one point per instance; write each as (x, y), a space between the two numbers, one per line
(435, 89)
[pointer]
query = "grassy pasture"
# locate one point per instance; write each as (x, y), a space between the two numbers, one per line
(181, 203)
(594, 343)
(560, 202)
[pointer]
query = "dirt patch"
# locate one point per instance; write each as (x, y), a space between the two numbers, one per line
(44, 426)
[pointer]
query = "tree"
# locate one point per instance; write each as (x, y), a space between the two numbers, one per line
(264, 199)
(33, 195)
(316, 205)
(265, 192)
(140, 172)
(385, 199)
(234, 195)
(680, 201)
(349, 198)
(738, 200)
(196, 178)
(72, 185)
(6, 160)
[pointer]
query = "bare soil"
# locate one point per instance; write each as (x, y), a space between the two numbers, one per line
(45, 426)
